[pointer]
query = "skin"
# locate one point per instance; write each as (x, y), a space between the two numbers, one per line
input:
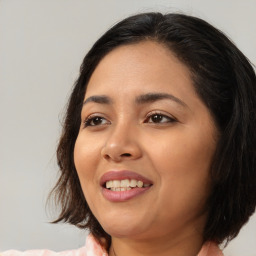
(173, 149)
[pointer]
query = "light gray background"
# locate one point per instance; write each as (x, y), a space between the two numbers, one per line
(42, 44)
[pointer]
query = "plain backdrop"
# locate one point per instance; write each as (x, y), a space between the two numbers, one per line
(42, 44)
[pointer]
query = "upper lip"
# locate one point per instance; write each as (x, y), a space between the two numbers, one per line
(122, 175)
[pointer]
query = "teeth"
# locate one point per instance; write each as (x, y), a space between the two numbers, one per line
(116, 183)
(133, 183)
(123, 185)
(140, 184)
(109, 184)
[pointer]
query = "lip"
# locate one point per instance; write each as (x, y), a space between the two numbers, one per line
(122, 175)
(121, 196)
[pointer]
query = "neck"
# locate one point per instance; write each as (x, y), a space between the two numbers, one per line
(189, 245)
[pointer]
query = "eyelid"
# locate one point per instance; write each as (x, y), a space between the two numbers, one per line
(90, 117)
(162, 113)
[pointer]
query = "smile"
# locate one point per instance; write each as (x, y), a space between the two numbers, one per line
(120, 186)
(124, 185)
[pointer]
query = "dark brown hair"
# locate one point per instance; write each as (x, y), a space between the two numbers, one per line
(226, 83)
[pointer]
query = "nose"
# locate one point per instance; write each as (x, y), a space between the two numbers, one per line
(121, 144)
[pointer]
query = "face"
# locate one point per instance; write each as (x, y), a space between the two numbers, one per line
(145, 145)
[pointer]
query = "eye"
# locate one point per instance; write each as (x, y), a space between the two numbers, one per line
(95, 121)
(159, 118)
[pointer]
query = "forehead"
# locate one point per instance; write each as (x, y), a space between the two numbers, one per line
(142, 67)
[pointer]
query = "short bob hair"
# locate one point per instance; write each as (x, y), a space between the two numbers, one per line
(223, 79)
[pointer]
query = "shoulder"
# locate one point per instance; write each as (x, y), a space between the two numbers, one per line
(92, 247)
(78, 252)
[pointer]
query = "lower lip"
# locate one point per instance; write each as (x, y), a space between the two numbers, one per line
(121, 196)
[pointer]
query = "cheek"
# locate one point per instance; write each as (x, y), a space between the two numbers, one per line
(182, 152)
(183, 163)
(86, 156)
(85, 159)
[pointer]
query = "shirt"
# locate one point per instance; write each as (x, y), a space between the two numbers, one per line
(93, 248)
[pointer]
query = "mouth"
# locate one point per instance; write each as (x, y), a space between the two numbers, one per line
(125, 185)
(119, 186)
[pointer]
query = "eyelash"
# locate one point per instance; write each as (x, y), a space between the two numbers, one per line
(157, 113)
(87, 121)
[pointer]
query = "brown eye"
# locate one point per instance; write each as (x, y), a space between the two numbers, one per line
(95, 121)
(159, 118)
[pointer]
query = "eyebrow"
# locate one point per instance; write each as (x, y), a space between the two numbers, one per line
(102, 99)
(152, 97)
(141, 99)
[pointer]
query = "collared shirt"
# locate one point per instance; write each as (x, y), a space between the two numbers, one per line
(93, 248)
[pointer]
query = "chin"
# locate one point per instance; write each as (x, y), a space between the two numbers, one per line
(124, 232)
(123, 227)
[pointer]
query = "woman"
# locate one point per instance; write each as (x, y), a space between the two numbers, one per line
(157, 155)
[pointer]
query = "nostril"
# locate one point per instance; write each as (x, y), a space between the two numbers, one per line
(107, 157)
(126, 154)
